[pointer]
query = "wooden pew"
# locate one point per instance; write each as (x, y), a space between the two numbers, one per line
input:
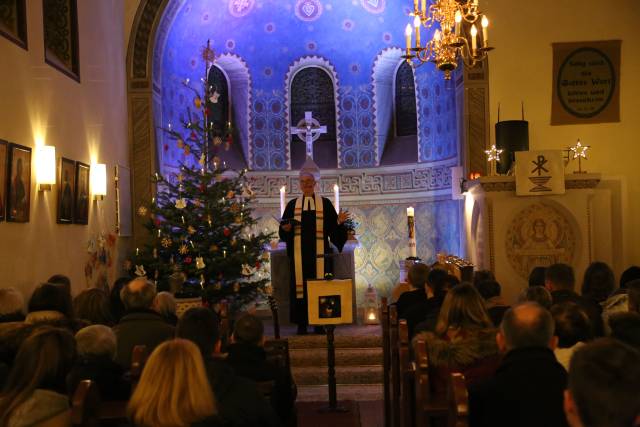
(85, 405)
(386, 359)
(407, 405)
(458, 401)
(138, 359)
(395, 366)
(428, 406)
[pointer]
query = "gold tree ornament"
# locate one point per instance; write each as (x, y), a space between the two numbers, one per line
(142, 211)
(183, 249)
(165, 242)
(493, 156)
(197, 102)
(191, 230)
(579, 152)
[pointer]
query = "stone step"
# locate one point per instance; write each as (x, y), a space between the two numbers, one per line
(357, 392)
(313, 375)
(344, 341)
(344, 356)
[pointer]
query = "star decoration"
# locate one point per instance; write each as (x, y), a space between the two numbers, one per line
(579, 150)
(493, 154)
(183, 249)
(165, 242)
(191, 230)
(142, 211)
(181, 203)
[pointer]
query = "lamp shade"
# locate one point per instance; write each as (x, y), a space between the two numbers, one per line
(46, 165)
(99, 179)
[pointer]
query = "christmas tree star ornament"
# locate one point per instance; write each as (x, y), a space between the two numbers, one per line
(140, 271)
(200, 263)
(183, 249)
(165, 242)
(142, 211)
(191, 230)
(493, 156)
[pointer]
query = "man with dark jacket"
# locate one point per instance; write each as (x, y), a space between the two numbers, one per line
(527, 389)
(240, 404)
(140, 325)
(560, 281)
(417, 279)
(248, 359)
(426, 313)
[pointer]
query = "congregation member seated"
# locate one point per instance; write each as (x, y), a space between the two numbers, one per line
(239, 401)
(173, 390)
(416, 278)
(96, 346)
(11, 305)
(50, 304)
(165, 304)
(92, 306)
(626, 328)
(464, 339)
(426, 313)
(560, 281)
(115, 303)
(248, 359)
(527, 389)
(12, 335)
(537, 294)
(490, 290)
(140, 325)
(598, 282)
(61, 280)
(481, 276)
(634, 296)
(35, 393)
(537, 276)
(604, 385)
(572, 328)
(618, 300)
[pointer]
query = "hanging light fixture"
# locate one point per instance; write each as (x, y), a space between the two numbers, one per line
(457, 38)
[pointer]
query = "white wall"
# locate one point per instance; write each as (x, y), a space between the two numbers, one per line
(85, 121)
(521, 69)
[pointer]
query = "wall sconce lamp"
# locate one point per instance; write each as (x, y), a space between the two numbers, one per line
(45, 167)
(99, 180)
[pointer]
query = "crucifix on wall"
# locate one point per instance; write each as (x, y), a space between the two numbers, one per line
(308, 130)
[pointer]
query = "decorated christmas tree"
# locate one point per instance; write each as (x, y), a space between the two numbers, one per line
(202, 236)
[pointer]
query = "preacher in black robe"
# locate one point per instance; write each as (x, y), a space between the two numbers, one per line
(333, 230)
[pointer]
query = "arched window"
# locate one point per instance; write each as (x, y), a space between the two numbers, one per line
(220, 114)
(405, 100)
(312, 90)
(219, 111)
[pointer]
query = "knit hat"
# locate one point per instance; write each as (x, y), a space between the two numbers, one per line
(309, 168)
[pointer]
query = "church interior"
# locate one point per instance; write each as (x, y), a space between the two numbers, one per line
(100, 109)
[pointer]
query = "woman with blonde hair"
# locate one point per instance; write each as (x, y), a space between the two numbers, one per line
(173, 390)
(464, 339)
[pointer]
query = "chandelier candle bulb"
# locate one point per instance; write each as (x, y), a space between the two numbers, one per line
(458, 20)
(283, 190)
(416, 25)
(485, 31)
(415, 5)
(336, 196)
(424, 7)
(474, 34)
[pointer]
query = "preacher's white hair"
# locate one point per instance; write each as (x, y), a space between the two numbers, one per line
(11, 301)
(96, 340)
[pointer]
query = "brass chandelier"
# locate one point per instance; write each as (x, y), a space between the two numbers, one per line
(457, 38)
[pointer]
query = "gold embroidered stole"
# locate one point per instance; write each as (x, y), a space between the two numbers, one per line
(297, 243)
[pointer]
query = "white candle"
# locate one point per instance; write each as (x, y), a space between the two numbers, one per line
(283, 189)
(137, 251)
(424, 7)
(416, 25)
(407, 33)
(412, 232)
(474, 34)
(336, 197)
(410, 211)
(458, 22)
(485, 31)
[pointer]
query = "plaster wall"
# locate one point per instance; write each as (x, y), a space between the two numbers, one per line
(85, 121)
